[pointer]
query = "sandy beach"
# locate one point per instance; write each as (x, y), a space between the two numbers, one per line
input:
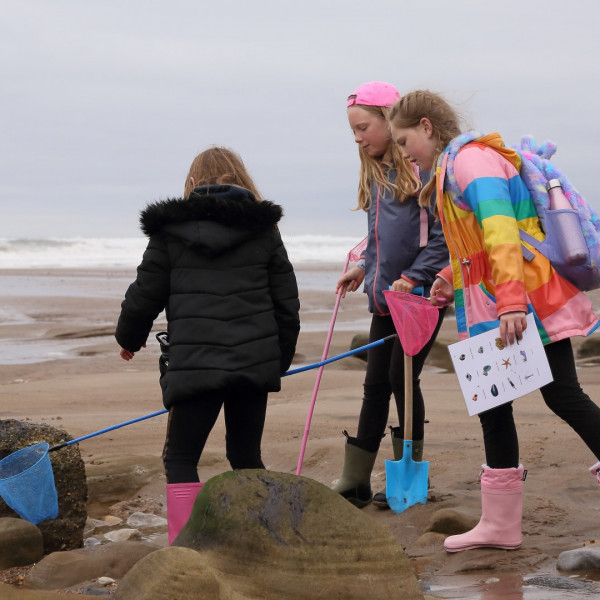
(59, 364)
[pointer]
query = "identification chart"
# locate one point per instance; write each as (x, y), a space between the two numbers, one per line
(491, 373)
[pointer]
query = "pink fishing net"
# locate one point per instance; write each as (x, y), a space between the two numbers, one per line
(355, 253)
(414, 317)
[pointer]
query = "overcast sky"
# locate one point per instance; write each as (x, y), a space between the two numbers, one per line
(105, 103)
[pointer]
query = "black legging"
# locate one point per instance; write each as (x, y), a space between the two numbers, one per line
(563, 396)
(385, 375)
(190, 424)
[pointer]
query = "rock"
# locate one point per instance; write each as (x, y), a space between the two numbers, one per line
(116, 477)
(176, 573)
(556, 583)
(10, 592)
(66, 531)
(360, 339)
(580, 559)
(61, 570)
(274, 535)
(430, 539)
(122, 535)
(145, 520)
(450, 522)
(439, 356)
(21, 543)
(589, 347)
(111, 520)
(91, 541)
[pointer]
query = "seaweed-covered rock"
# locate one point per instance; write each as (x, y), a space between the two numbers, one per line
(66, 531)
(262, 534)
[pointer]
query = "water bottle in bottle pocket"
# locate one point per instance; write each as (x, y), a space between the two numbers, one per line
(566, 225)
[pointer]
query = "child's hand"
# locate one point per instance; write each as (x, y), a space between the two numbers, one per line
(350, 281)
(401, 285)
(126, 354)
(441, 292)
(512, 326)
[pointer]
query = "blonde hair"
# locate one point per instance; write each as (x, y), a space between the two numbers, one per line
(406, 183)
(219, 165)
(413, 107)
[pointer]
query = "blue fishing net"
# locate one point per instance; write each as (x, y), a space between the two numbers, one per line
(27, 483)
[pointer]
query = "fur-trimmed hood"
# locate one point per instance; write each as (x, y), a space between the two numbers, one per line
(214, 217)
(225, 204)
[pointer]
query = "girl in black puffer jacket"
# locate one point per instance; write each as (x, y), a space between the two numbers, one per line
(216, 263)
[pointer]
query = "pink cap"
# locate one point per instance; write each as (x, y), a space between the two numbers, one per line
(374, 93)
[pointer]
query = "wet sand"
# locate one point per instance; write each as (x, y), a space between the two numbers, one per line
(59, 364)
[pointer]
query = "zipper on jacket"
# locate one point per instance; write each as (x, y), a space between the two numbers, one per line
(449, 240)
(381, 313)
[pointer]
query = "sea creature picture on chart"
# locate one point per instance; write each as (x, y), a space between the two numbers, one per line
(490, 372)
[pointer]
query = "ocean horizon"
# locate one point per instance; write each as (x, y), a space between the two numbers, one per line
(126, 252)
(63, 274)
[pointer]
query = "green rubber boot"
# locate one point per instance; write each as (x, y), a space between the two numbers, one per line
(355, 482)
(379, 499)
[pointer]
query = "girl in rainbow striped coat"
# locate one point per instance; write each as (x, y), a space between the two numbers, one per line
(493, 286)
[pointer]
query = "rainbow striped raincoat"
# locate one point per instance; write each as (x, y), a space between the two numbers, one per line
(488, 270)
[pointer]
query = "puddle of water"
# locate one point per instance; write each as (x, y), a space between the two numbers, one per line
(510, 586)
(21, 352)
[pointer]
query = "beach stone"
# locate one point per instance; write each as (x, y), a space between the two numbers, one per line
(430, 539)
(21, 543)
(113, 478)
(580, 559)
(589, 347)
(360, 339)
(10, 592)
(145, 520)
(315, 543)
(450, 522)
(480, 559)
(439, 356)
(61, 570)
(121, 535)
(175, 573)
(556, 583)
(66, 531)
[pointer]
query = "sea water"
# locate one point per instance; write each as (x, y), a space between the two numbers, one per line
(104, 268)
(67, 253)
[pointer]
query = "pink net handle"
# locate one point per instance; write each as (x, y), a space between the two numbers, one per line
(415, 319)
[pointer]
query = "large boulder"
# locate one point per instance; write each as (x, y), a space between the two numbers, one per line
(268, 535)
(61, 570)
(112, 478)
(20, 543)
(11, 592)
(66, 531)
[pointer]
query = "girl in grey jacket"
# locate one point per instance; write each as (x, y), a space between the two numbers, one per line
(405, 249)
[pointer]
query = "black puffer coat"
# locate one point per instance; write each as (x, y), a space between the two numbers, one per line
(217, 264)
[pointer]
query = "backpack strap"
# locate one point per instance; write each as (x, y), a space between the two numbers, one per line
(423, 228)
(537, 190)
(448, 156)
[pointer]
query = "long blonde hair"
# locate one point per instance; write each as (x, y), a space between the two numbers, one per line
(406, 183)
(413, 107)
(219, 165)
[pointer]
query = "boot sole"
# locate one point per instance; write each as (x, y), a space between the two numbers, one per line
(359, 503)
(475, 546)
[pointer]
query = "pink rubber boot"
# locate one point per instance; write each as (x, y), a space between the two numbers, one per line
(180, 500)
(595, 471)
(501, 513)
